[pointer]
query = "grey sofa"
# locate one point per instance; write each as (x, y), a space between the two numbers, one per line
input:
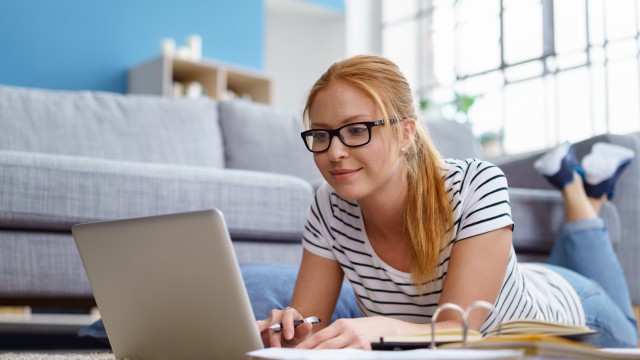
(72, 157)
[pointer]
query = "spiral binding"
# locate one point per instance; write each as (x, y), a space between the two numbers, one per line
(465, 318)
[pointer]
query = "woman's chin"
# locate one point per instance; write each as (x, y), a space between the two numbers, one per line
(348, 193)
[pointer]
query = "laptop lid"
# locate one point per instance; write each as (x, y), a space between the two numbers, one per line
(169, 287)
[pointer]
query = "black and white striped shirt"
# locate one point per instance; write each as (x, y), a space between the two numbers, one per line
(480, 202)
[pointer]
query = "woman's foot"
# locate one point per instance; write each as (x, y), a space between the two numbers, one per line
(559, 165)
(602, 167)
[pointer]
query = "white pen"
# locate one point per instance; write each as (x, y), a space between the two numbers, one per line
(310, 320)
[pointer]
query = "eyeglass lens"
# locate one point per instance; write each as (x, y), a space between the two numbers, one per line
(350, 135)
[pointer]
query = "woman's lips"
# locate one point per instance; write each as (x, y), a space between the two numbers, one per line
(343, 174)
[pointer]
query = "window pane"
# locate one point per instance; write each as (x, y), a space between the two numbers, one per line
(524, 71)
(623, 96)
(472, 10)
(443, 18)
(486, 113)
(492, 81)
(571, 60)
(620, 18)
(599, 99)
(638, 15)
(524, 116)
(443, 58)
(516, 3)
(478, 36)
(478, 46)
(522, 32)
(441, 3)
(596, 21)
(597, 55)
(441, 99)
(443, 42)
(622, 49)
(570, 25)
(574, 115)
(399, 44)
(394, 10)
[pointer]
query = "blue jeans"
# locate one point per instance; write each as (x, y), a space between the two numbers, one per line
(270, 286)
(583, 254)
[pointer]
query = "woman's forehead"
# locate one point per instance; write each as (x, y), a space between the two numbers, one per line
(343, 103)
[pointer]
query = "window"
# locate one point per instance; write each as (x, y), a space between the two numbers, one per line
(540, 71)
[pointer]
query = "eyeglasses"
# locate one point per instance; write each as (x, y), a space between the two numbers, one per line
(351, 135)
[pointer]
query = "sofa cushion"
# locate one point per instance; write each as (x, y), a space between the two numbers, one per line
(454, 139)
(40, 264)
(111, 126)
(259, 137)
(52, 192)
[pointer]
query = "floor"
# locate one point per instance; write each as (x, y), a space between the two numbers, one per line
(27, 331)
(67, 355)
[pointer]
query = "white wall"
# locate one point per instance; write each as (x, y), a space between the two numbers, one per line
(363, 24)
(301, 41)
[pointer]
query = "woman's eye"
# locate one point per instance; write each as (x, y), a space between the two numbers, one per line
(320, 136)
(357, 130)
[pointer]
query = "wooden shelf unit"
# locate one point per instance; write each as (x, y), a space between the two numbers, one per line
(156, 77)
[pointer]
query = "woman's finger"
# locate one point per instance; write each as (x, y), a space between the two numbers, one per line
(303, 331)
(289, 314)
(262, 325)
(319, 337)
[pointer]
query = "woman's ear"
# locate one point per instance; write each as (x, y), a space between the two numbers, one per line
(409, 127)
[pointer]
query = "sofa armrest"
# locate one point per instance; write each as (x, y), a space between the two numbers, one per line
(538, 216)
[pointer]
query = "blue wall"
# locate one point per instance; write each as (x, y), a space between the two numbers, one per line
(336, 5)
(90, 44)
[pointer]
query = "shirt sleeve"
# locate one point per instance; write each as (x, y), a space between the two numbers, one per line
(485, 200)
(317, 237)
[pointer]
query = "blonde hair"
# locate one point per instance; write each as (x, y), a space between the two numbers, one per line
(428, 217)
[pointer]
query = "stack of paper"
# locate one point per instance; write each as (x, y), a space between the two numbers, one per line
(353, 354)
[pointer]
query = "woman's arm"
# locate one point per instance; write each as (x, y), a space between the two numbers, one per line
(476, 271)
(316, 293)
(317, 287)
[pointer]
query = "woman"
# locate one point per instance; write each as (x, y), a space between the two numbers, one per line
(409, 230)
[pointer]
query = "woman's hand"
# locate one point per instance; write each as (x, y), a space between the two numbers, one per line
(289, 335)
(358, 333)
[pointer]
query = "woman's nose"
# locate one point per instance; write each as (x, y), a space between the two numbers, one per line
(337, 150)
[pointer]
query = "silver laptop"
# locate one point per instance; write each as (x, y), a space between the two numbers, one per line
(169, 287)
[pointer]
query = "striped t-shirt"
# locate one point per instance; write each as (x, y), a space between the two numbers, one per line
(480, 202)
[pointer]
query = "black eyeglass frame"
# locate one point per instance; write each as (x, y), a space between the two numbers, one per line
(336, 133)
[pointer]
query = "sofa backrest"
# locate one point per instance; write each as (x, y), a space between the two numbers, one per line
(264, 138)
(454, 139)
(111, 126)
